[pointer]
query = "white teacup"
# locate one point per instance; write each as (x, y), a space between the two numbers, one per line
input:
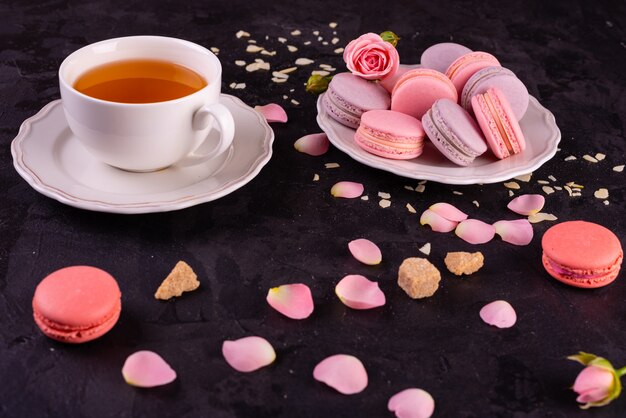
(147, 136)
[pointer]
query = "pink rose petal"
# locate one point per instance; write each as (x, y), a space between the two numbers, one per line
(357, 292)
(147, 369)
(437, 222)
(365, 251)
(347, 189)
(342, 372)
(412, 403)
(272, 112)
(248, 354)
(475, 231)
(292, 300)
(527, 204)
(517, 232)
(499, 313)
(314, 144)
(448, 212)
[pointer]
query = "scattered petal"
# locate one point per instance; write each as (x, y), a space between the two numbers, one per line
(475, 231)
(425, 249)
(512, 185)
(527, 204)
(499, 313)
(437, 222)
(314, 144)
(540, 217)
(384, 203)
(272, 112)
(347, 189)
(248, 354)
(448, 211)
(365, 251)
(601, 193)
(147, 369)
(292, 300)
(357, 292)
(517, 232)
(412, 403)
(342, 372)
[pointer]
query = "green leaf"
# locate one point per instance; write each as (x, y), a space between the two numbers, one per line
(389, 36)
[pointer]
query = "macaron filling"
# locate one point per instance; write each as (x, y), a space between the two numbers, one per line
(591, 275)
(504, 134)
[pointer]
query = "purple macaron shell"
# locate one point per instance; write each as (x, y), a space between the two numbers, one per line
(454, 132)
(349, 96)
(501, 78)
(440, 56)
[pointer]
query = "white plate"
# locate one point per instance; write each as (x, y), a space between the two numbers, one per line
(538, 124)
(50, 158)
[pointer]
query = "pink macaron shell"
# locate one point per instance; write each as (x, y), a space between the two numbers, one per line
(464, 67)
(418, 89)
(390, 82)
(390, 134)
(77, 304)
(453, 131)
(336, 112)
(504, 80)
(440, 56)
(488, 120)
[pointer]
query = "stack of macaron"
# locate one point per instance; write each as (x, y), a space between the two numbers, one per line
(463, 100)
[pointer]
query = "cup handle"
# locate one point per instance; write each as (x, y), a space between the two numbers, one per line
(225, 124)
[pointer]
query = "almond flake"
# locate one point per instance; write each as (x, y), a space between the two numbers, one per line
(511, 194)
(512, 185)
(420, 188)
(324, 43)
(601, 193)
(240, 63)
(331, 165)
(304, 61)
(320, 72)
(278, 74)
(384, 203)
(285, 97)
(327, 67)
(316, 177)
(618, 168)
(425, 249)
(307, 43)
(251, 41)
(547, 189)
(292, 48)
(295, 102)
(270, 53)
(320, 39)
(254, 48)
(476, 203)
(252, 67)
(240, 86)
(333, 25)
(569, 189)
(422, 182)
(365, 197)
(384, 195)
(558, 188)
(409, 188)
(288, 70)
(600, 156)
(606, 202)
(316, 32)
(589, 158)
(570, 158)
(525, 178)
(242, 33)
(296, 32)
(457, 193)
(410, 208)
(543, 182)
(334, 41)
(215, 50)
(278, 80)
(338, 51)
(552, 178)
(232, 85)
(282, 40)
(540, 217)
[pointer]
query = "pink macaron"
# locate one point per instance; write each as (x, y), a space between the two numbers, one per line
(390, 82)
(504, 80)
(498, 123)
(349, 96)
(77, 304)
(417, 90)
(454, 132)
(390, 134)
(440, 56)
(467, 65)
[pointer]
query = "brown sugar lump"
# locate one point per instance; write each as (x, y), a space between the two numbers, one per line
(418, 277)
(181, 279)
(462, 262)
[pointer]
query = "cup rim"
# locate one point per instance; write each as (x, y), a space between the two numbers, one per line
(71, 88)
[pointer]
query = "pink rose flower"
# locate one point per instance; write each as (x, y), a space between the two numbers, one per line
(598, 383)
(371, 58)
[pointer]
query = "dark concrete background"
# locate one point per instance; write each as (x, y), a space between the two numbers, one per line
(283, 227)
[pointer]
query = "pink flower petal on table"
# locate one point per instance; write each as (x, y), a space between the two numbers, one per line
(527, 204)
(248, 354)
(314, 144)
(272, 112)
(292, 300)
(412, 403)
(347, 189)
(517, 232)
(437, 222)
(499, 313)
(357, 292)
(365, 251)
(448, 212)
(475, 231)
(147, 369)
(342, 372)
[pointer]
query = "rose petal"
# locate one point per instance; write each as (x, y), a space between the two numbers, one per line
(248, 354)
(527, 204)
(347, 189)
(365, 251)
(499, 313)
(292, 300)
(342, 372)
(437, 222)
(517, 232)
(448, 212)
(272, 112)
(147, 369)
(314, 144)
(412, 403)
(475, 231)
(591, 378)
(357, 292)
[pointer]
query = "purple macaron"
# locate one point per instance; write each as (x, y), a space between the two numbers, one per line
(502, 79)
(440, 56)
(454, 132)
(349, 96)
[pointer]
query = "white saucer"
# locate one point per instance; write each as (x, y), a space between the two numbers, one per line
(50, 158)
(538, 125)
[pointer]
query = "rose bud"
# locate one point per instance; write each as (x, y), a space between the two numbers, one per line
(598, 383)
(389, 36)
